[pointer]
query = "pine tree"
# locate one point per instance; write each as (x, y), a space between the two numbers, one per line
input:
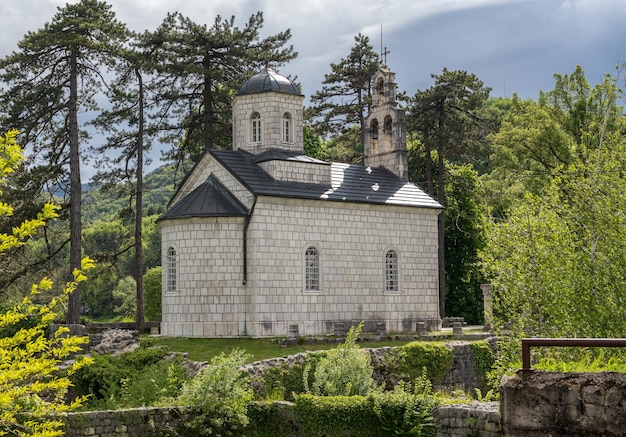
(446, 118)
(55, 75)
(129, 135)
(200, 69)
(345, 97)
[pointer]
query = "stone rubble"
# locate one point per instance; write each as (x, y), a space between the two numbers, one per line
(114, 341)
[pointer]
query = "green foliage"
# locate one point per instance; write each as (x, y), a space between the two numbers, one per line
(132, 379)
(448, 118)
(405, 411)
(221, 393)
(567, 360)
(313, 144)
(348, 147)
(407, 362)
(345, 97)
(284, 382)
(344, 371)
(200, 68)
(465, 231)
(125, 293)
(97, 293)
(152, 289)
(271, 419)
(43, 97)
(508, 359)
(484, 359)
(332, 416)
(32, 385)
(557, 261)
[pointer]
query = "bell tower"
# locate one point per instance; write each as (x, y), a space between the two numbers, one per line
(385, 134)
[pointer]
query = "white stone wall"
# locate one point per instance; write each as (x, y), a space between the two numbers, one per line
(296, 171)
(271, 106)
(210, 299)
(353, 240)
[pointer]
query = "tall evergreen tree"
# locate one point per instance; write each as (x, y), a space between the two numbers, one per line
(446, 118)
(55, 75)
(128, 137)
(345, 97)
(200, 69)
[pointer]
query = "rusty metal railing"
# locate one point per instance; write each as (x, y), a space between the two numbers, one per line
(566, 342)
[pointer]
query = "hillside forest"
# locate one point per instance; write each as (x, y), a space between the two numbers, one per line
(533, 189)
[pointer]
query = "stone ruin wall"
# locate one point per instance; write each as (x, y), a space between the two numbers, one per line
(452, 421)
(535, 403)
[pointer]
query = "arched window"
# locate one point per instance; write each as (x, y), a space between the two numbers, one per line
(380, 86)
(255, 127)
(374, 129)
(172, 263)
(387, 125)
(287, 128)
(312, 268)
(391, 271)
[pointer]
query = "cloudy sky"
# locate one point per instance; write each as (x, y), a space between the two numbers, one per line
(513, 46)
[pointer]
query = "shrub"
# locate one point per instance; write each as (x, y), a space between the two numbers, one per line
(132, 379)
(407, 362)
(484, 359)
(152, 292)
(221, 392)
(405, 411)
(33, 387)
(344, 371)
(331, 416)
(509, 358)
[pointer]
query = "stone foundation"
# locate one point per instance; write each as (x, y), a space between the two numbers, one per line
(535, 403)
(475, 419)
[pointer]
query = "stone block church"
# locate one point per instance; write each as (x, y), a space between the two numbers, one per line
(264, 241)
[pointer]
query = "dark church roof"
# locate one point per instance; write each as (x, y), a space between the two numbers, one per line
(268, 80)
(210, 199)
(349, 183)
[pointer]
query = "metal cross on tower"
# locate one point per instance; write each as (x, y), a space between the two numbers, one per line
(384, 54)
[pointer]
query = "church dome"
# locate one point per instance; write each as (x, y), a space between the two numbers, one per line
(268, 80)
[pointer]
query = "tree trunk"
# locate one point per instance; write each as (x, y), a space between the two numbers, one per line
(429, 164)
(207, 96)
(139, 211)
(441, 221)
(73, 313)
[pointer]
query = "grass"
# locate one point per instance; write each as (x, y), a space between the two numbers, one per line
(203, 349)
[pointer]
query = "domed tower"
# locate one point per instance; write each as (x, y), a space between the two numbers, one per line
(385, 135)
(267, 114)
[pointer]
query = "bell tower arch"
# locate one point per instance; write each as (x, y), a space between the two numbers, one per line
(385, 136)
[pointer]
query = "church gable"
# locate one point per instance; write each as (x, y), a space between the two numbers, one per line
(210, 199)
(201, 172)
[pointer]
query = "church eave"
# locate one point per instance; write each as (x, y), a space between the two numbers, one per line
(165, 217)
